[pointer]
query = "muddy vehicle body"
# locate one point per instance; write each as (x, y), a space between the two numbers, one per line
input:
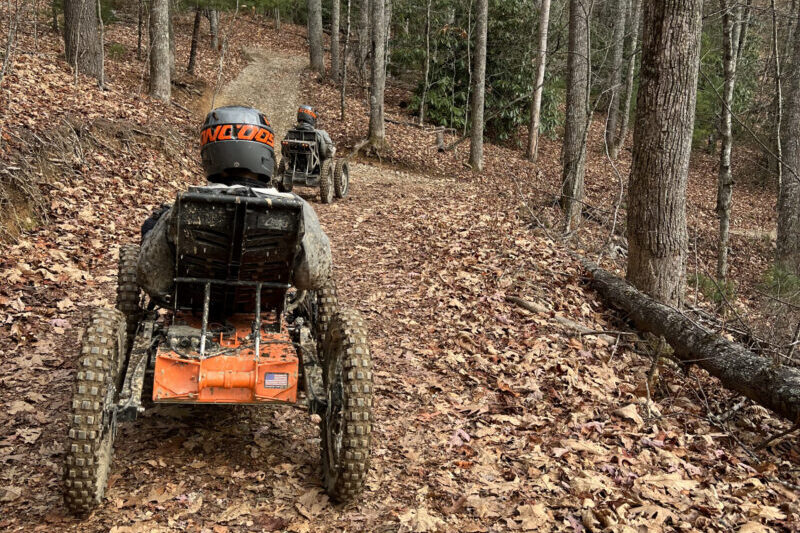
(302, 165)
(235, 331)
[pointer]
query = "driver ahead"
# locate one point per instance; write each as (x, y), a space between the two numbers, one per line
(237, 148)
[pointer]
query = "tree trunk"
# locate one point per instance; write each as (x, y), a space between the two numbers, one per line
(615, 78)
(657, 236)
(54, 13)
(102, 78)
(634, 17)
(788, 254)
(377, 133)
(577, 121)
(195, 37)
(140, 27)
(730, 41)
(364, 38)
(478, 87)
(778, 95)
(81, 39)
(775, 387)
(315, 36)
(171, 8)
(344, 62)
(536, 102)
(335, 40)
(427, 62)
(213, 27)
(159, 50)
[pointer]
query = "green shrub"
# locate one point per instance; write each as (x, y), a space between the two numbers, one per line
(116, 51)
(717, 291)
(782, 283)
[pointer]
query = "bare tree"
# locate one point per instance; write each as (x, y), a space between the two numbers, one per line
(344, 62)
(195, 37)
(81, 37)
(335, 39)
(615, 77)
(788, 253)
(665, 108)
(213, 27)
(478, 87)
(377, 132)
(364, 37)
(731, 29)
(536, 101)
(315, 36)
(577, 116)
(140, 27)
(427, 62)
(634, 17)
(159, 50)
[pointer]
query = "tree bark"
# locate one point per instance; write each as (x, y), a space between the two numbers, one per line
(364, 37)
(81, 38)
(788, 254)
(427, 62)
(478, 87)
(775, 387)
(377, 133)
(730, 47)
(213, 27)
(576, 124)
(536, 102)
(195, 37)
(634, 17)
(54, 14)
(344, 62)
(615, 78)
(335, 40)
(315, 36)
(140, 27)
(172, 50)
(657, 235)
(159, 50)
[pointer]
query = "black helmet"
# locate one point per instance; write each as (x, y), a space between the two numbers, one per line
(305, 113)
(237, 144)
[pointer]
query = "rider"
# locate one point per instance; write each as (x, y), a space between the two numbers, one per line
(237, 148)
(307, 120)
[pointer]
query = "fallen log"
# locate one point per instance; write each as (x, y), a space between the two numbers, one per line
(771, 385)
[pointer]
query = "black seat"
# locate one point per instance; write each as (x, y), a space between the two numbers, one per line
(235, 241)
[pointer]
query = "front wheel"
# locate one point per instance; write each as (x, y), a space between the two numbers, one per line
(92, 423)
(128, 294)
(341, 178)
(346, 425)
(326, 182)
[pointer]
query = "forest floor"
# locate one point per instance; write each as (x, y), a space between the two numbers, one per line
(487, 417)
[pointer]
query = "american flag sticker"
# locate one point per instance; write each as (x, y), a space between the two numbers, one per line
(274, 380)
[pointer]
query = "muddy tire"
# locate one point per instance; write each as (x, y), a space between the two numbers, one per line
(326, 182)
(282, 183)
(341, 179)
(128, 293)
(346, 425)
(90, 439)
(327, 307)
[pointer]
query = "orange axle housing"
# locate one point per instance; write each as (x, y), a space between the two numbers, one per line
(236, 375)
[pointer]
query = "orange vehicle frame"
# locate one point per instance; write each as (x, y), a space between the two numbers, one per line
(236, 376)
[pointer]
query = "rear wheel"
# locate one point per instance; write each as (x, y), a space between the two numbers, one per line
(92, 422)
(346, 425)
(341, 178)
(326, 182)
(282, 182)
(327, 307)
(128, 294)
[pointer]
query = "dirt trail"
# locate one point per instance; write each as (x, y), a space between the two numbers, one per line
(270, 83)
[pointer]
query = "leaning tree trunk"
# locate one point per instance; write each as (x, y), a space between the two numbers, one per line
(159, 50)
(760, 379)
(574, 148)
(315, 36)
(478, 87)
(634, 17)
(364, 37)
(81, 38)
(377, 132)
(615, 78)
(788, 254)
(536, 102)
(657, 236)
(195, 37)
(730, 44)
(335, 40)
